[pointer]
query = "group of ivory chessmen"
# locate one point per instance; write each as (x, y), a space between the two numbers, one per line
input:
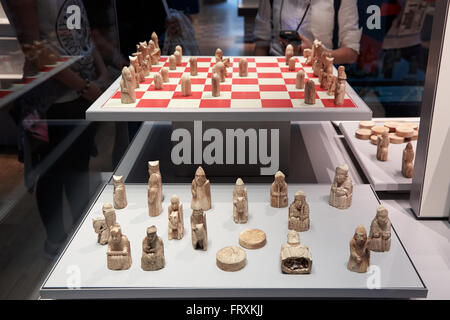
(391, 132)
(295, 258)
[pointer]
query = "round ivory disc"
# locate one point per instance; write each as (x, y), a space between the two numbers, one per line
(231, 258)
(252, 238)
(405, 132)
(363, 134)
(367, 124)
(374, 139)
(395, 139)
(415, 126)
(378, 130)
(392, 125)
(414, 137)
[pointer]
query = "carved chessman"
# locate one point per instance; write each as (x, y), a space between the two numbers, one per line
(193, 66)
(341, 192)
(102, 226)
(179, 49)
(339, 92)
(178, 57)
(186, 89)
(143, 47)
(279, 191)
(332, 79)
(201, 191)
(317, 54)
(307, 53)
(292, 64)
(219, 55)
(165, 74)
(127, 87)
(172, 63)
(119, 251)
(295, 258)
(299, 213)
(119, 193)
(359, 260)
(243, 67)
(380, 231)
(147, 66)
(152, 251)
(300, 80)
(154, 196)
(408, 161)
(383, 146)
(289, 53)
(153, 167)
(155, 39)
(240, 202)
(137, 68)
(176, 222)
(221, 71)
(310, 92)
(199, 230)
(134, 75)
(158, 81)
(215, 85)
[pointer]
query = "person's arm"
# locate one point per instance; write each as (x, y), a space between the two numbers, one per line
(263, 28)
(349, 33)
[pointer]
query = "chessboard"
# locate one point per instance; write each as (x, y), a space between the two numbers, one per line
(267, 93)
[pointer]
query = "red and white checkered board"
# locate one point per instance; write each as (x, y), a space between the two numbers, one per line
(269, 84)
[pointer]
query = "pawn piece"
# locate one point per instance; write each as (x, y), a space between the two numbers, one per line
(172, 63)
(154, 196)
(341, 73)
(382, 146)
(310, 92)
(339, 92)
(139, 72)
(201, 191)
(307, 53)
(176, 222)
(380, 231)
(152, 251)
(295, 258)
(127, 87)
(221, 71)
(252, 239)
(179, 49)
(408, 161)
(155, 39)
(359, 260)
(341, 192)
(363, 134)
(240, 202)
(289, 53)
(299, 213)
(279, 191)
(118, 255)
(193, 66)
(219, 54)
(119, 193)
(134, 76)
(158, 81)
(178, 57)
(300, 80)
(199, 230)
(243, 67)
(153, 168)
(292, 64)
(147, 66)
(186, 85)
(231, 258)
(165, 74)
(331, 85)
(215, 85)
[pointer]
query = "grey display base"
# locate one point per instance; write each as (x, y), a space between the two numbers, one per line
(382, 175)
(191, 273)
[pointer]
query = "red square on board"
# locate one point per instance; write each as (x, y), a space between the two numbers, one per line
(276, 103)
(311, 75)
(4, 93)
(175, 74)
(248, 70)
(148, 80)
(223, 87)
(267, 65)
(194, 95)
(163, 59)
(118, 95)
(155, 69)
(47, 69)
(290, 81)
(297, 94)
(196, 80)
(153, 103)
(329, 103)
(286, 69)
(213, 103)
(199, 70)
(166, 87)
(272, 87)
(245, 95)
(270, 75)
(318, 88)
(203, 59)
(244, 81)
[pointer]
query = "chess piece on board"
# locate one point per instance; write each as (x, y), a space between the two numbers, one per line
(292, 64)
(289, 53)
(155, 39)
(383, 146)
(193, 66)
(215, 85)
(134, 76)
(119, 252)
(154, 196)
(172, 63)
(199, 231)
(179, 49)
(102, 226)
(137, 68)
(240, 202)
(221, 71)
(408, 161)
(178, 57)
(300, 80)
(127, 87)
(158, 81)
(310, 92)
(243, 67)
(226, 62)
(279, 191)
(359, 260)
(201, 191)
(339, 93)
(331, 85)
(341, 192)
(153, 168)
(219, 54)
(299, 213)
(147, 66)
(307, 54)
(152, 251)
(294, 257)
(176, 219)
(119, 193)
(165, 74)
(380, 231)
(186, 85)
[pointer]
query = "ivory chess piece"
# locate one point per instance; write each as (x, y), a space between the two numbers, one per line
(279, 191)
(134, 76)
(143, 47)
(380, 231)
(137, 68)
(252, 239)
(359, 260)
(294, 257)
(243, 67)
(289, 53)
(310, 92)
(219, 54)
(331, 85)
(176, 220)
(139, 57)
(155, 39)
(102, 226)
(127, 87)
(231, 259)
(186, 85)
(147, 66)
(172, 63)
(165, 74)
(299, 213)
(220, 70)
(158, 81)
(226, 62)
(153, 168)
(152, 251)
(341, 72)
(199, 230)
(292, 64)
(408, 161)
(201, 191)
(193, 66)
(179, 49)
(119, 251)
(341, 192)
(119, 195)
(215, 85)
(240, 202)
(383, 146)
(328, 64)
(339, 92)
(307, 53)
(154, 196)
(178, 57)
(300, 80)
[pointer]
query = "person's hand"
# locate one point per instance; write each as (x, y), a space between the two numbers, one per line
(93, 93)
(306, 44)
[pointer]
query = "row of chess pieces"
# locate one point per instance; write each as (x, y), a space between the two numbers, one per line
(294, 258)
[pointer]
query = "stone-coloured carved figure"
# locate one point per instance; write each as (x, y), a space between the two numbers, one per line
(152, 251)
(383, 146)
(279, 191)
(240, 202)
(127, 87)
(380, 231)
(339, 92)
(299, 213)
(243, 67)
(153, 167)
(186, 88)
(193, 66)
(201, 191)
(119, 251)
(176, 220)
(154, 196)
(120, 195)
(341, 192)
(102, 226)
(310, 92)
(300, 80)
(137, 68)
(408, 161)
(295, 258)
(359, 259)
(288, 53)
(199, 230)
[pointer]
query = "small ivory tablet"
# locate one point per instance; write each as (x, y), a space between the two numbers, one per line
(367, 124)
(391, 125)
(363, 134)
(231, 258)
(395, 139)
(374, 139)
(415, 126)
(406, 132)
(378, 130)
(252, 239)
